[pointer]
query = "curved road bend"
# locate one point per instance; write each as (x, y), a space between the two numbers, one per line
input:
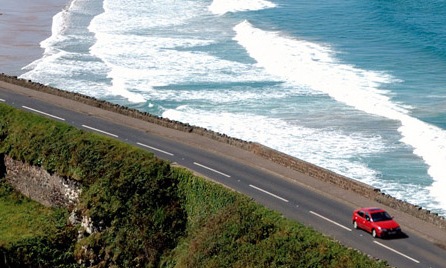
(320, 205)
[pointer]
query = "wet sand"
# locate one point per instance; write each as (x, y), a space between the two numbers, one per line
(23, 25)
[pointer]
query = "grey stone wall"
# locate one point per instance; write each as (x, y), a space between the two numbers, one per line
(37, 184)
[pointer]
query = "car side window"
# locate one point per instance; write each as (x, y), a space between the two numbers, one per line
(361, 214)
(367, 217)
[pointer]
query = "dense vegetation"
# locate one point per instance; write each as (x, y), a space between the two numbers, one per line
(33, 235)
(146, 213)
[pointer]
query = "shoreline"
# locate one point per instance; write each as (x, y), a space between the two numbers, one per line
(24, 25)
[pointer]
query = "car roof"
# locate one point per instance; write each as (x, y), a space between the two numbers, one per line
(372, 209)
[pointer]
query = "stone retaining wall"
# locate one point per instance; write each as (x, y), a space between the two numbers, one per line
(268, 153)
(37, 184)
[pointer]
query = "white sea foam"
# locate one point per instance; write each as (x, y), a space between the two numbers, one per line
(333, 148)
(133, 59)
(57, 29)
(221, 7)
(142, 63)
(315, 66)
(138, 62)
(60, 63)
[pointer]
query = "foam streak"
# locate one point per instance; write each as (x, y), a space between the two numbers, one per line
(221, 7)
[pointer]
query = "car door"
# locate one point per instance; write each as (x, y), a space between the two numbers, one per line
(367, 222)
(360, 220)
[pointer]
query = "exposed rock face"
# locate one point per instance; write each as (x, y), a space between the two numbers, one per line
(37, 184)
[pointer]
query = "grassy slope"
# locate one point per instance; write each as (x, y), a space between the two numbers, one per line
(22, 218)
(32, 235)
(151, 214)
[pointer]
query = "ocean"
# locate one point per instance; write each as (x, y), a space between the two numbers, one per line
(357, 87)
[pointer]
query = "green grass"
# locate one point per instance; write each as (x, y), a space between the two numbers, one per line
(22, 218)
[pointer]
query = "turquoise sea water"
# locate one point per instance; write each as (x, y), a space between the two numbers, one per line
(357, 87)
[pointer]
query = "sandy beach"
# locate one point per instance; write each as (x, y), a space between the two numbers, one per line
(23, 25)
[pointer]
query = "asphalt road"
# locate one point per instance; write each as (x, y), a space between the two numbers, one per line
(244, 173)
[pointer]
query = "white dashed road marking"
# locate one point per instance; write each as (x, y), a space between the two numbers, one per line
(327, 219)
(396, 251)
(101, 131)
(40, 112)
(211, 169)
(266, 192)
(155, 149)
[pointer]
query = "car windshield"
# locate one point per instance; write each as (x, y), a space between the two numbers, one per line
(381, 216)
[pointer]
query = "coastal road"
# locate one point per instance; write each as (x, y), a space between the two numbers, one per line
(293, 194)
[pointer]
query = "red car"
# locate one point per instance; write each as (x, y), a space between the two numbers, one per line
(376, 221)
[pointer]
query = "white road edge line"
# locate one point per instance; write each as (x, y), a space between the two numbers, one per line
(266, 192)
(40, 112)
(153, 148)
(211, 169)
(101, 131)
(396, 251)
(327, 219)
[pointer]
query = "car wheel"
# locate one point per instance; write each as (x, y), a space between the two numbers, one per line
(355, 225)
(373, 233)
